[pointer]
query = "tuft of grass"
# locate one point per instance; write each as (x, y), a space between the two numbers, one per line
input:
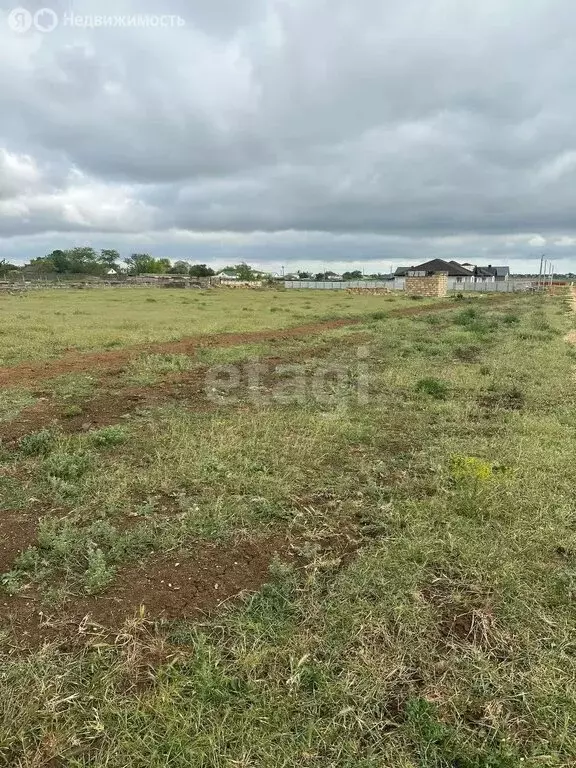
(71, 411)
(66, 465)
(99, 574)
(150, 368)
(434, 387)
(108, 436)
(13, 402)
(37, 443)
(72, 387)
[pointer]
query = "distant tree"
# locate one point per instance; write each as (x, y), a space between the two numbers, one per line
(83, 259)
(109, 258)
(144, 264)
(76, 261)
(6, 268)
(201, 270)
(355, 275)
(60, 261)
(180, 268)
(243, 271)
(325, 275)
(304, 275)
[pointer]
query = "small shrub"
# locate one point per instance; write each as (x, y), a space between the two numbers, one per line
(69, 466)
(108, 436)
(99, 574)
(470, 468)
(378, 315)
(71, 411)
(433, 387)
(37, 443)
(510, 319)
(467, 316)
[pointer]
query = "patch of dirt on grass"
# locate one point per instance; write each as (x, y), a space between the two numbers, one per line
(464, 613)
(185, 585)
(190, 584)
(18, 533)
(512, 399)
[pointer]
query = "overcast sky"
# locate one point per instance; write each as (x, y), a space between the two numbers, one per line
(293, 132)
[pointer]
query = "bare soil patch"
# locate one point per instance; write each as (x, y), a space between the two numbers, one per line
(464, 612)
(18, 533)
(190, 584)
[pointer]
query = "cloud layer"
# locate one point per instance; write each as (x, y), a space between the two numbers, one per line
(294, 130)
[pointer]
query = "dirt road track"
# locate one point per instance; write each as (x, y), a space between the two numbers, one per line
(28, 373)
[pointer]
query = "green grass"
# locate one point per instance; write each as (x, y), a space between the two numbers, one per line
(12, 402)
(44, 324)
(446, 640)
(151, 368)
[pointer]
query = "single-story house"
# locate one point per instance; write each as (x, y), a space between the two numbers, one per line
(452, 268)
(500, 274)
(483, 275)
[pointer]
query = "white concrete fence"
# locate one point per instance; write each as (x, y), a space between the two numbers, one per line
(398, 284)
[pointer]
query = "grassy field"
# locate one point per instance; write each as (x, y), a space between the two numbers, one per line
(40, 324)
(354, 547)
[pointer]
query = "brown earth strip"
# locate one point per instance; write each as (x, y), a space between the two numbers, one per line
(186, 585)
(95, 362)
(18, 533)
(110, 407)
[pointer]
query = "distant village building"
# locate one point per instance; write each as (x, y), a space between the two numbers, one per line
(458, 273)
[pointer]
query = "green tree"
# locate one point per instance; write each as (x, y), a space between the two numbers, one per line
(59, 261)
(201, 270)
(180, 268)
(144, 264)
(83, 260)
(109, 258)
(243, 271)
(6, 268)
(75, 261)
(354, 275)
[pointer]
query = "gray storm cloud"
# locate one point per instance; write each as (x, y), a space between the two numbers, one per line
(419, 121)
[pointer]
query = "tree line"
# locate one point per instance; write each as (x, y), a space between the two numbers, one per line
(88, 261)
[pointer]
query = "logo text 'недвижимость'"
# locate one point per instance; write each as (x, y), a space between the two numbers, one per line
(46, 20)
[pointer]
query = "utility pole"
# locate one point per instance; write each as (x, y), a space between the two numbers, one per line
(540, 273)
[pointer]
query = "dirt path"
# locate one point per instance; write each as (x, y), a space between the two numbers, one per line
(571, 337)
(79, 362)
(115, 400)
